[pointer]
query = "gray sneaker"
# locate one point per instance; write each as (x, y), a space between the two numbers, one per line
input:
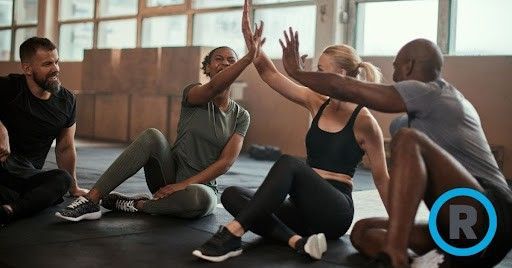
(120, 202)
(80, 209)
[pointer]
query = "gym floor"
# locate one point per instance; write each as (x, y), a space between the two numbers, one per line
(138, 240)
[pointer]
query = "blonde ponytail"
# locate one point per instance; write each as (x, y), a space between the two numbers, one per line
(370, 72)
(346, 58)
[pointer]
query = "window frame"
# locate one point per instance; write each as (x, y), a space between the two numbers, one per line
(443, 22)
(14, 27)
(145, 12)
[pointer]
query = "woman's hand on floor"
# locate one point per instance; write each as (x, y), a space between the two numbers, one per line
(168, 190)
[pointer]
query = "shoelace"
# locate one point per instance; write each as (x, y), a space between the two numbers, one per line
(126, 205)
(78, 202)
(220, 237)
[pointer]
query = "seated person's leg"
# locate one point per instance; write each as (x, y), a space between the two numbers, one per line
(150, 150)
(287, 176)
(39, 192)
(234, 199)
(197, 200)
(369, 235)
(421, 170)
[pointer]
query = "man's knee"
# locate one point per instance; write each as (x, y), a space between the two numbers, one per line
(405, 137)
(357, 233)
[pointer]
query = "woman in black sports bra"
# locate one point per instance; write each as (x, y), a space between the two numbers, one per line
(320, 203)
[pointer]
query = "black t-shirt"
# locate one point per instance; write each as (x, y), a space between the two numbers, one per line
(32, 123)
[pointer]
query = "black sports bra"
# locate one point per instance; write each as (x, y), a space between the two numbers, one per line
(336, 152)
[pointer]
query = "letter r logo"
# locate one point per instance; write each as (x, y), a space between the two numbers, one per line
(457, 223)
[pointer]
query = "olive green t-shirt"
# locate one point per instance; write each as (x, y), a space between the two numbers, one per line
(203, 131)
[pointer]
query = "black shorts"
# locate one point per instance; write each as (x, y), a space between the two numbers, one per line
(500, 196)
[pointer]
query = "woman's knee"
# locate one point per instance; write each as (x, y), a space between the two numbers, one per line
(229, 195)
(152, 136)
(204, 201)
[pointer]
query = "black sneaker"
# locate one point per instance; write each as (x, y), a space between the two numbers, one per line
(120, 202)
(314, 246)
(220, 247)
(80, 209)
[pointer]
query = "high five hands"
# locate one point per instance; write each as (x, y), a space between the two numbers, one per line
(252, 39)
(292, 60)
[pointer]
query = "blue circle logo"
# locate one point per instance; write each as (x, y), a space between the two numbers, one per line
(491, 231)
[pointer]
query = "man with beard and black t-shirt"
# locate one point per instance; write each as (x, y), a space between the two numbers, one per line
(35, 110)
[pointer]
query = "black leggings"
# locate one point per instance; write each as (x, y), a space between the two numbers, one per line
(31, 195)
(315, 205)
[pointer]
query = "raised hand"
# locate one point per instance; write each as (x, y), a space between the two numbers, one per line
(253, 41)
(292, 60)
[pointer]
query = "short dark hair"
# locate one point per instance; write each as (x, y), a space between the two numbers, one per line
(29, 48)
(208, 58)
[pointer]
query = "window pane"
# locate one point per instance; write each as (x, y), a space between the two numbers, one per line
(26, 11)
(164, 31)
(219, 29)
(5, 45)
(74, 38)
(156, 3)
(109, 8)
(302, 19)
(5, 12)
(76, 9)
(23, 34)
(482, 28)
(117, 34)
(381, 29)
(217, 3)
(259, 2)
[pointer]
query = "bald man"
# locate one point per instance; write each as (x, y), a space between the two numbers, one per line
(444, 148)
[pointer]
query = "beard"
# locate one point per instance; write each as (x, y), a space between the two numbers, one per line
(48, 84)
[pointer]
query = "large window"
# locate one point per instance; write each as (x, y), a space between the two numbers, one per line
(23, 34)
(219, 29)
(216, 3)
(301, 18)
(74, 38)
(459, 27)
(164, 31)
(15, 30)
(157, 3)
(76, 9)
(117, 33)
(85, 24)
(481, 27)
(5, 45)
(110, 8)
(384, 27)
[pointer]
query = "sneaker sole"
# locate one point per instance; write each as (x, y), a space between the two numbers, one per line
(88, 216)
(228, 255)
(316, 246)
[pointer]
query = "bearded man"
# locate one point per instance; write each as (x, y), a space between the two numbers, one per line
(34, 111)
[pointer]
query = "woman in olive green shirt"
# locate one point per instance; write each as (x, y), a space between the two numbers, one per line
(211, 132)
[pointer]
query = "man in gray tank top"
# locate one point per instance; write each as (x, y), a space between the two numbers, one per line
(444, 149)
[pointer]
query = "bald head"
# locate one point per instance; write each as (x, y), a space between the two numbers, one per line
(420, 60)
